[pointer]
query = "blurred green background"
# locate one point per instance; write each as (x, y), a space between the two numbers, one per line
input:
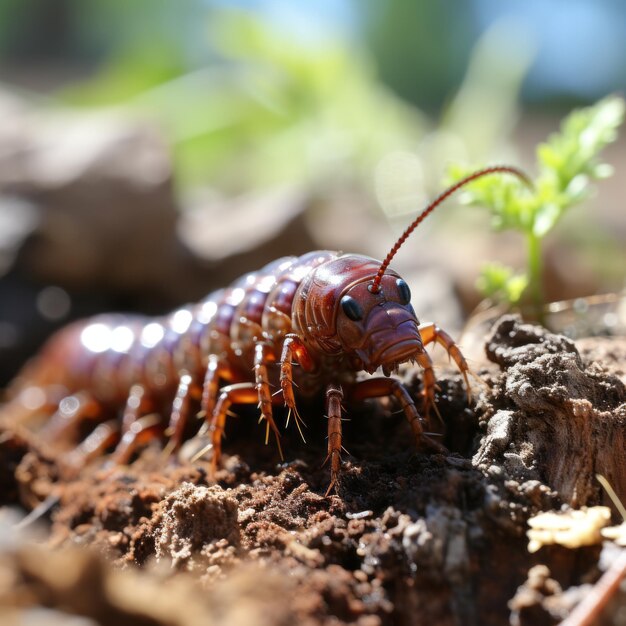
(252, 92)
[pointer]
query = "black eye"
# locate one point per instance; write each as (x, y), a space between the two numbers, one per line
(352, 308)
(405, 292)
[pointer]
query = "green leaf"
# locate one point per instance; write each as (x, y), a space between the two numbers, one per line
(501, 283)
(545, 218)
(583, 135)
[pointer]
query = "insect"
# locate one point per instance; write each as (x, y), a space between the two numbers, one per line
(331, 314)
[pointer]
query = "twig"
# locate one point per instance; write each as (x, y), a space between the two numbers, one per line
(586, 613)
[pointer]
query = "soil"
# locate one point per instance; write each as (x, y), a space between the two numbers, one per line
(410, 537)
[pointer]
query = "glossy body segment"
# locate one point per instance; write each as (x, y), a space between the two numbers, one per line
(307, 323)
(124, 350)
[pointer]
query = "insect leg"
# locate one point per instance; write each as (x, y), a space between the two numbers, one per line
(72, 410)
(378, 387)
(95, 444)
(137, 404)
(239, 393)
(294, 350)
(431, 332)
(334, 396)
(217, 369)
(263, 354)
(187, 391)
(430, 383)
(141, 431)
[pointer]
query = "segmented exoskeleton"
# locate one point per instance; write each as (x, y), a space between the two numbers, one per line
(332, 314)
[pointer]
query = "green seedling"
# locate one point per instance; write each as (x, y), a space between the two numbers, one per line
(567, 164)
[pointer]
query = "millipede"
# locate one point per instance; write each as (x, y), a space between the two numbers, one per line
(333, 315)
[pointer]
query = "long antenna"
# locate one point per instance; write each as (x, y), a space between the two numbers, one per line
(496, 169)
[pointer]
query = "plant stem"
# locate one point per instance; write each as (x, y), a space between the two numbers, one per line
(535, 272)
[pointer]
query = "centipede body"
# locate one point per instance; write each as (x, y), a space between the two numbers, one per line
(307, 324)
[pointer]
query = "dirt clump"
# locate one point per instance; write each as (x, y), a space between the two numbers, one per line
(554, 422)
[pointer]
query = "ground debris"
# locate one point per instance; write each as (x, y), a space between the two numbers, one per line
(571, 529)
(195, 523)
(552, 419)
(540, 601)
(410, 538)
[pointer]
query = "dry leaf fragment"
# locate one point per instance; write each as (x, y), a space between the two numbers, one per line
(571, 529)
